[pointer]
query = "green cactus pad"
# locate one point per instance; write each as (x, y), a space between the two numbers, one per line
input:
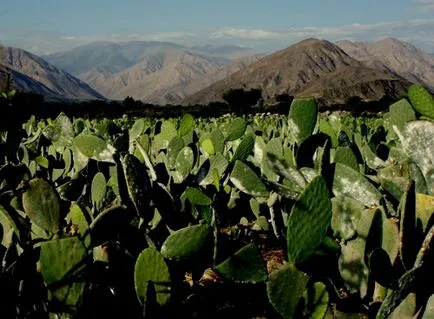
(235, 129)
(408, 227)
(303, 116)
(400, 113)
(244, 149)
(218, 163)
(98, 189)
(62, 264)
(345, 156)
(315, 301)
(309, 220)
(41, 203)
(346, 214)
(136, 130)
(353, 268)
(11, 220)
(168, 130)
(274, 146)
(218, 140)
(77, 217)
(94, 147)
(326, 128)
(422, 100)
(290, 173)
(207, 146)
(245, 266)
(151, 267)
(186, 242)
(424, 209)
(186, 125)
(247, 181)
(285, 288)
(184, 164)
(138, 184)
(418, 142)
(350, 183)
(196, 197)
(173, 149)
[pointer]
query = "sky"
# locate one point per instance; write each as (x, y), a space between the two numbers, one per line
(48, 26)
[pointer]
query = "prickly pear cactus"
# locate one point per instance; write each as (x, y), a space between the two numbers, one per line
(235, 129)
(91, 146)
(41, 203)
(309, 220)
(184, 164)
(98, 190)
(245, 179)
(245, 266)
(422, 100)
(138, 185)
(285, 288)
(186, 125)
(63, 263)
(418, 142)
(245, 148)
(302, 118)
(186, 242)
(348, 182)
(151, 267)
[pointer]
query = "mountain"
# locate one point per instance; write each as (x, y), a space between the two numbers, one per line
(155, 72)
(395, 56)
(24, 83)
(44, 75)
(174, 94)
(107, 57)
(306, 67)
(227, 51)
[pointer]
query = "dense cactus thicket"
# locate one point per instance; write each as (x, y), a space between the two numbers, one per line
(299, 216)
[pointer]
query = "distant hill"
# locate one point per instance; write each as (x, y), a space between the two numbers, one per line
(307, 68)
(155, 72)
(395, 56)
(175, 93)
(24, 83)
(32, 73)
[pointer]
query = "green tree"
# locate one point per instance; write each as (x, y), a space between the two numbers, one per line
(240, 100)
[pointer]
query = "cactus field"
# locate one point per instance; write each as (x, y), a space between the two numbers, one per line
(304, 215)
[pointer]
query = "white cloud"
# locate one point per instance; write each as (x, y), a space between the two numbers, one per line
(243, 33)
(417, 31)
(423, 6)
(308, 31)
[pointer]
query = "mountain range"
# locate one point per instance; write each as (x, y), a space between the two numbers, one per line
(164, 72)
(32, 73)
(310, 67)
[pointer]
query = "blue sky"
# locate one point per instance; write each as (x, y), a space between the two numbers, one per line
(45, 26)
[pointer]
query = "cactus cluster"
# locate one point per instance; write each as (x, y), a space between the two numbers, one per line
(320, 215)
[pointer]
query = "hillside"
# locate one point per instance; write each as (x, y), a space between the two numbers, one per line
(155, 72)
(295, 69)
(24, 83)
(395, 56)
(347, 82)
(174, 94)
(53, 78)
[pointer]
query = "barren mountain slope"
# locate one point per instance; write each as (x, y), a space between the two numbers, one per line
(397, 56)
(368, 84)
(23, 83)
(157, 72)
(285, 71)
(174, 94)
(57, 80)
